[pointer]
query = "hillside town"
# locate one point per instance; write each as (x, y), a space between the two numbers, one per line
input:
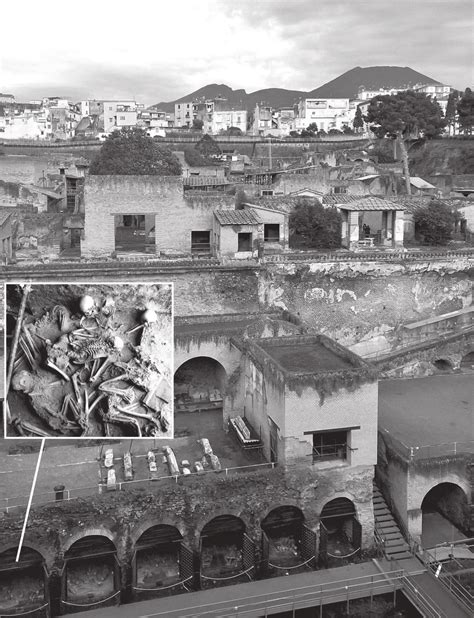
(56, 118)
(237, 343)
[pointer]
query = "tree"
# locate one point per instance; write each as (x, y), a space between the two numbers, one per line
(310, 131)
(450, 114)
(358, 122)
(198, 124)
(232, 131)
(346, 129)
(131, 151)
(465, 108)
(434, 222)
(402, 116)
(315, 225)
(208, 147)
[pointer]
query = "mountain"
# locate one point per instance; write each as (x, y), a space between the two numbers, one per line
(277, 97)
(372, 78)
(344, 86)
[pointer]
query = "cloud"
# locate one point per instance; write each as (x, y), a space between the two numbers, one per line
(159, 51)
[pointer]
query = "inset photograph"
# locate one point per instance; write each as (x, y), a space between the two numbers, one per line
(89, 361)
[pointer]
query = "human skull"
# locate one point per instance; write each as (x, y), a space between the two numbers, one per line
(23, 381)
(149, 316)
(87, 305)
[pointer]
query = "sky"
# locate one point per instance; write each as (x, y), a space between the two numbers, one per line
(161, 50)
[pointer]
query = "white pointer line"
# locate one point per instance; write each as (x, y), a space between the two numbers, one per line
(30, 500)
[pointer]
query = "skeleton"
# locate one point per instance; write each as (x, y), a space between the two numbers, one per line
(63, 317)
(49, 398)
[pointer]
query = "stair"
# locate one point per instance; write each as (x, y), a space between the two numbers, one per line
(395, 546)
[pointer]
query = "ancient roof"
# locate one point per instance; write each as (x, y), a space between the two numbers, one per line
(4, 216)
(339, 198)
(43, 191)
(237, 217)
(419, 183)
(367, 177)
(372, 203)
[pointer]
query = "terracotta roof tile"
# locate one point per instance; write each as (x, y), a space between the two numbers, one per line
(237, 217)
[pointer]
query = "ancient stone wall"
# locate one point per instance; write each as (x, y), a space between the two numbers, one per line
(196, 501)
(356, 301)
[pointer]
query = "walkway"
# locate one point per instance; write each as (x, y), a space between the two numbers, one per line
(269, 596)
(433, 590)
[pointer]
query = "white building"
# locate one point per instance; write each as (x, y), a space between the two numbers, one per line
(221, 120)
(183, 114)
(326, 113)
(119, 114)
(28, 124)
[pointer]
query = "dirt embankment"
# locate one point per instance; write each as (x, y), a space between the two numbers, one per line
(455, 156)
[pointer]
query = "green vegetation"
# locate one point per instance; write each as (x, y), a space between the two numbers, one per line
(312, 225)
(465, 109)
(358, 122)
(195, 158)
(434, 223)
(132, 151)
(402, 116)
(207, 147)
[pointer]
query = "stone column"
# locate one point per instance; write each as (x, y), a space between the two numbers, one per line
(157, 244)
(353, 228)
(397, 236)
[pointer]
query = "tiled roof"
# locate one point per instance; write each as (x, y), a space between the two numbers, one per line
(372, 203)
(4, 217)
(339, 198)
(237, 217)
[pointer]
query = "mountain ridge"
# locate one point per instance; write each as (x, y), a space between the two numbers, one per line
(345, 85)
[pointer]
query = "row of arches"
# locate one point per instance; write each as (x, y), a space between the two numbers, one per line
(465, 364)
(162, 563)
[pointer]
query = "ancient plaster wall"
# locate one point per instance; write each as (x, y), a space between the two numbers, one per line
(306, 412)
(214, 292)
(354, 302)
(264, 399)
(121, 516)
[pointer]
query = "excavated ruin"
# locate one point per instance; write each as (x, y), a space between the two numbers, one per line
(90, 360)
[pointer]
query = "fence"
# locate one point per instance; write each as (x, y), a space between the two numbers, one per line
(313, 596)
(449, 580)
(20, 502)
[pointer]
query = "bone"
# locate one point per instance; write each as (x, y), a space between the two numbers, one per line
(56, 368)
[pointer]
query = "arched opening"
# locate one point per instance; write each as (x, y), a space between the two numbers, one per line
(467, 362)
(199, 386)
(161, 562)
(443, 365)
(288, 545)
(91, 575)
(227, 553)
(445, 515)
(23, 584)
(340, 532)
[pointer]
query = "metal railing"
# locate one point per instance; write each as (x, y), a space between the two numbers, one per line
(331, 451)
(314, 596)
(449, 581)
(20, 502)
